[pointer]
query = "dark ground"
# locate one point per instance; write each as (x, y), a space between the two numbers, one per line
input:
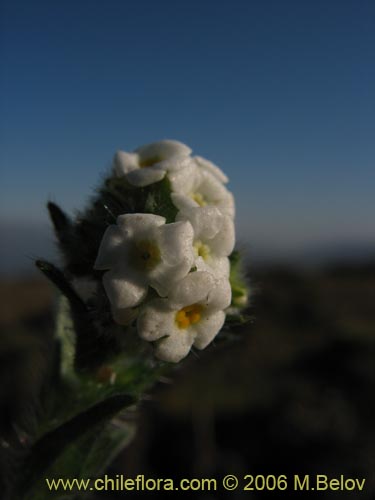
(294, 394)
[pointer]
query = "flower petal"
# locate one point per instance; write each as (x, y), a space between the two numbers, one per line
(156, 320)
(139, 224)
(206, 221)
(123, 162)
(164, 149)
(109, 248)
(176, 242)
(211, 188)
(215, 193)
(212, 168)
(123, 292)
(226, 205)
(175, 164)
(208, 328)
(175, 347)
(184, 180)
(220, 295)
(145, 176)
(183, 202)
(193, 289)
(165, 277)
(218, 266)
(222, 243)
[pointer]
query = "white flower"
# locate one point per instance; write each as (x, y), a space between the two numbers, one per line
(149, 163)
(192, 315)
(196, 187)
(213, 236)
(142, 251)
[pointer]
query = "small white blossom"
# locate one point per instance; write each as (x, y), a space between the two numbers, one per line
(196, 187)
(213, 236)
(150, 163)
(192, 315)
(142, 251)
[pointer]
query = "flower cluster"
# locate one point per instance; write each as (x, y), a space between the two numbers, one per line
(148, 268)
(173, 277)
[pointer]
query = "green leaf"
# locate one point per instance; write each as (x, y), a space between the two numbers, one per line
(87, 458)
(49, 447)
(110, 441)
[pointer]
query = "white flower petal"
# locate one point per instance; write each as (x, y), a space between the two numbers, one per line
(207, 329)
(139, 224)
(222, 243)
(212, 168)
(123, 292)
(156, 320)
(185, 180)
(175, 164)
(145, 176)
(194, 288)
(226, 205)
(214, 233)
(163, 149)
(183, 202)
(189, 184)
(176, 242)
(165, 277)
(206, 221)
(124, 162)
(215, 193)
(175, 347)
(109, 248)
(219, 266)
(220, 295)
(212, 189)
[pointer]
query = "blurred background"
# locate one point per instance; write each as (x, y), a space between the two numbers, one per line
(281, 95)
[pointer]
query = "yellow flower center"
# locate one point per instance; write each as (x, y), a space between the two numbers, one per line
(189, 315)
(148, 162)
(146, 255)
(201, 250)
(197, 197)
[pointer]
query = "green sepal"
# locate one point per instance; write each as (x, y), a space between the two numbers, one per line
(239, 285)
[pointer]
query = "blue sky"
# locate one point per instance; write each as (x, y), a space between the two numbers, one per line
(280, 94)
